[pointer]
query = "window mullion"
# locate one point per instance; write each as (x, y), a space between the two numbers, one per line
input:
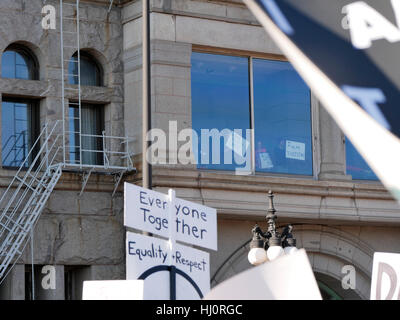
(251, 87)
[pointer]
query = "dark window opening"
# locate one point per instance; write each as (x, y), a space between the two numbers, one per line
(88, 134)
(91, 72)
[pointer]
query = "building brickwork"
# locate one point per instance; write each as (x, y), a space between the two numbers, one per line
(339, 221)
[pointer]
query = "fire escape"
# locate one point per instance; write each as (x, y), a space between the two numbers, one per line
(56, 149)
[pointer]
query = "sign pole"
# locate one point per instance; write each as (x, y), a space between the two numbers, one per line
(146, 108)
(173, 219)
(172, 241)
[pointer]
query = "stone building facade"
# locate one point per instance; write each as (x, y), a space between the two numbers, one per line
(338, 220)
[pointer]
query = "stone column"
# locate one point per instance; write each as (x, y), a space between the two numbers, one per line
(13, 287)
(333, 163)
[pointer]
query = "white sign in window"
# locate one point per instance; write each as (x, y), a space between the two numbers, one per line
(295, 150)
(265, 161)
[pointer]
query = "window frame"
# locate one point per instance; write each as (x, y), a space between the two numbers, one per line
(32, 63)
(85, 55)
(100, 123)
(34, 104)
(371, 181)
(314, 119)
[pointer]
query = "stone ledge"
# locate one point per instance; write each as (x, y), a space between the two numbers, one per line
(245, 197)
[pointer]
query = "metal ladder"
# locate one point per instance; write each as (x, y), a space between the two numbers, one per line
(69, 28)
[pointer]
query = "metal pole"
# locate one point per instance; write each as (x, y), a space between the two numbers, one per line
(79, 84)
(33, 267)
(146, 108)
(172, 282)
(171, 232)
(62, 75)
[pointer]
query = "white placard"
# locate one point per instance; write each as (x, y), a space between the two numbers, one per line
(147, 210)
(113, 290)
(295, 150)
(385, 283)
(265, 159)
(287, 278)
(147, 258)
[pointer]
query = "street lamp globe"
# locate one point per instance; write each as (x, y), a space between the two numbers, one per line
(274, 252)
(290, 250)
(257, 256)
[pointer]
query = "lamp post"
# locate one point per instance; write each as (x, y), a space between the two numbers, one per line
(271, 244)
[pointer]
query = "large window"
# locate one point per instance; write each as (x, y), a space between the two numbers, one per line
(356, 165)
(91, 73)
(19, 128)
(18, 62)
(282, 118)
(92, 121)
(221, 99)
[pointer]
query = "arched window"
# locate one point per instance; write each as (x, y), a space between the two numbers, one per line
(18, 62)
(91, 73)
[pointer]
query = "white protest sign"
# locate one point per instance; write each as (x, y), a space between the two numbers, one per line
(385, 283)
(289, 277)
(113, 290)
(147, 258)
(192, 223)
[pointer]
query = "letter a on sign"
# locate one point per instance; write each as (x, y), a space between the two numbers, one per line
(351, 67)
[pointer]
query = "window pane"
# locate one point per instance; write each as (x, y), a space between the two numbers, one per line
(8, 64)
(220, 100)
(21, 71)
(89, 71)
(16, 133)
(92, 128)
(356, 165)
(15, 65)
(282, 116)
(73, 71)
(73, 135)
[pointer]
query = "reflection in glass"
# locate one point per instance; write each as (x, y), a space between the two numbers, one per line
(92, 128)
(220, 100)
(282, 116)
(16, 65)
(16, 130)
(90, 71)
(356, 165)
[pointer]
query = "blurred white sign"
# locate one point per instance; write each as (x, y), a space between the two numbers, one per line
(266, 162)
(295, 150)
(147, 258)
(192, 223)
(289, 277)
(385, 283)
(113, 290)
